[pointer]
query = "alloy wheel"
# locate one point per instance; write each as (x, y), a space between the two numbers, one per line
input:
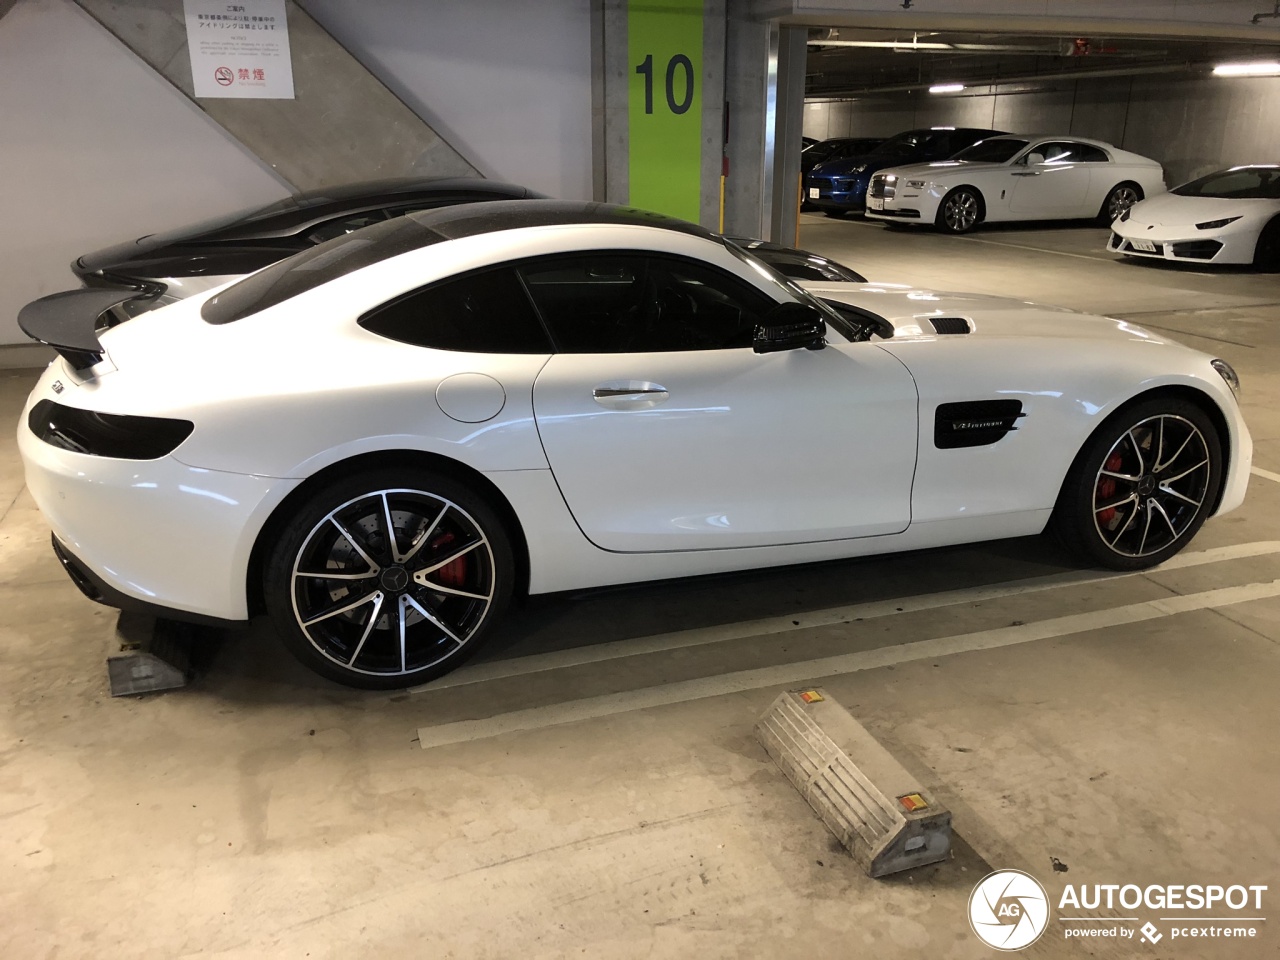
(1120, 200)
(1151, 486)
(960, 212)
(393, 582)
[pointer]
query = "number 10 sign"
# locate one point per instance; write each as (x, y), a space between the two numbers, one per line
(664, 42)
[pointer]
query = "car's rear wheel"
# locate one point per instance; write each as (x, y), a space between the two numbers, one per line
(388, 578)
(960, 211)
(1119, 199)
(1142, 485)
(1266, 255)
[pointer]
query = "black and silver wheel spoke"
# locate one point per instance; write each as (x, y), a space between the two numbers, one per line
(393, 582)
(355, 543)
(1151, 486)
(341, 608)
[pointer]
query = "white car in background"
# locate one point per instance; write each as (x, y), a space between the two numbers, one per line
(1231, 216)
(381, 439)
(1016, 178)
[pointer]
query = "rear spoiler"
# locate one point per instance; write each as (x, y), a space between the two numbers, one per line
(68, 322)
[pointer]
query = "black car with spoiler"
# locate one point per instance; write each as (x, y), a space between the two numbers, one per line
(165, 267)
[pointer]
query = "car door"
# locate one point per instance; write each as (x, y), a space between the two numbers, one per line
(665, 430)
(1058, 186)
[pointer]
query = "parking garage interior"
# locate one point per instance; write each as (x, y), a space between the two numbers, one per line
(591, 783)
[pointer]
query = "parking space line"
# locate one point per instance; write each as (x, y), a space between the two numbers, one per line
(593, 708)
(636, 646)
(1265, 474)
(1059, 253)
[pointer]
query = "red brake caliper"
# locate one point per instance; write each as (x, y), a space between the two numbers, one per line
(453, 574)
(1107, 490)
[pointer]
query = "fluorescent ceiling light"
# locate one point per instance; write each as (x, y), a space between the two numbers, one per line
(946, 88)
(884, 44)
(1263, 69)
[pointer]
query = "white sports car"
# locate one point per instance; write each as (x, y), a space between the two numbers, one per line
(1016, 178)
(1232, 216)
(379, 440)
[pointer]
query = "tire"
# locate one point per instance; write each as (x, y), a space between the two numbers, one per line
(835, 214)
(1266, 255)
(1118, 199)
(441, 581)
(1147, 507)
(960, 211)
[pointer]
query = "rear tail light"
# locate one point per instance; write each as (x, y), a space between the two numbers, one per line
(107, 434)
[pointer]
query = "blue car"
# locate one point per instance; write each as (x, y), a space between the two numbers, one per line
(838, 186)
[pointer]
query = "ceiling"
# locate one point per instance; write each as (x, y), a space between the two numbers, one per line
(854, 62)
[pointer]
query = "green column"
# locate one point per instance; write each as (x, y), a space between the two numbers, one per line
(664, 41)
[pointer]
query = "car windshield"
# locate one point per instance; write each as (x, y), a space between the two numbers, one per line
(304, 271)
(1239, 183)
(990, 151)
(847, 329)
(907, 142)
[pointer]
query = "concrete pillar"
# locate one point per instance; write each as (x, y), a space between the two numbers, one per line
(343, 125)
(752, 75)
(786, 132)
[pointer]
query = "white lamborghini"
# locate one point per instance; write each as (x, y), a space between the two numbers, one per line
(1231, 216)
(381, 439)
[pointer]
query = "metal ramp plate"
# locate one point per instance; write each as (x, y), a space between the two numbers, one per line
(876, 809)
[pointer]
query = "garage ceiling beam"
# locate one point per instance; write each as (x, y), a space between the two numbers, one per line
(1226, 20)
(985, 88)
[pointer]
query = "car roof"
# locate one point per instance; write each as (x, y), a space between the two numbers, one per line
(399, 185)
(1029, 138)
(472, 219)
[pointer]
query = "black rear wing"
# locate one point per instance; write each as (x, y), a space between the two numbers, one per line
(68, 322)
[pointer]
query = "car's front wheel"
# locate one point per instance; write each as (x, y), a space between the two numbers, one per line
(1266, 254)
(960, 211)
(388, 578)
(1142, 485)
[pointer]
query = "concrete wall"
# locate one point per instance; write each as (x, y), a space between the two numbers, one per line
(98, 148)
(1190, 125)
(507, 84)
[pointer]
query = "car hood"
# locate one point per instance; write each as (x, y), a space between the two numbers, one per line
(844, 167)
(1171, 209)
(911, 312)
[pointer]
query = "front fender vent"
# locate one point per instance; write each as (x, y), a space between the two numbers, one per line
(950, 325)
(974, 423)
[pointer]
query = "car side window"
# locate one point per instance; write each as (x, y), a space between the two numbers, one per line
(634, 303)
(483, 312)
(1060, 152)
(1092, 154)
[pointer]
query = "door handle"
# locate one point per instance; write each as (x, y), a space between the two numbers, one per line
(1028, 173)
(630, 394)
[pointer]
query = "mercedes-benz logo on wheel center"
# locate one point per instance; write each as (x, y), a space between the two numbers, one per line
(394, 579)
(1008, 910)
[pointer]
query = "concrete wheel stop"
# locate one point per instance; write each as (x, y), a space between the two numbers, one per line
(147, 655)
(874, 806)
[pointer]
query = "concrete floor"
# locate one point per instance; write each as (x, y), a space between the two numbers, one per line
(627, 810)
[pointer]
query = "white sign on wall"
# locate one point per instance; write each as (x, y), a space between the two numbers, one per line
(239, 49)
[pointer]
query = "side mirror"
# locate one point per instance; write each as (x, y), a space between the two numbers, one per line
(790, 326)
(1034, 158)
